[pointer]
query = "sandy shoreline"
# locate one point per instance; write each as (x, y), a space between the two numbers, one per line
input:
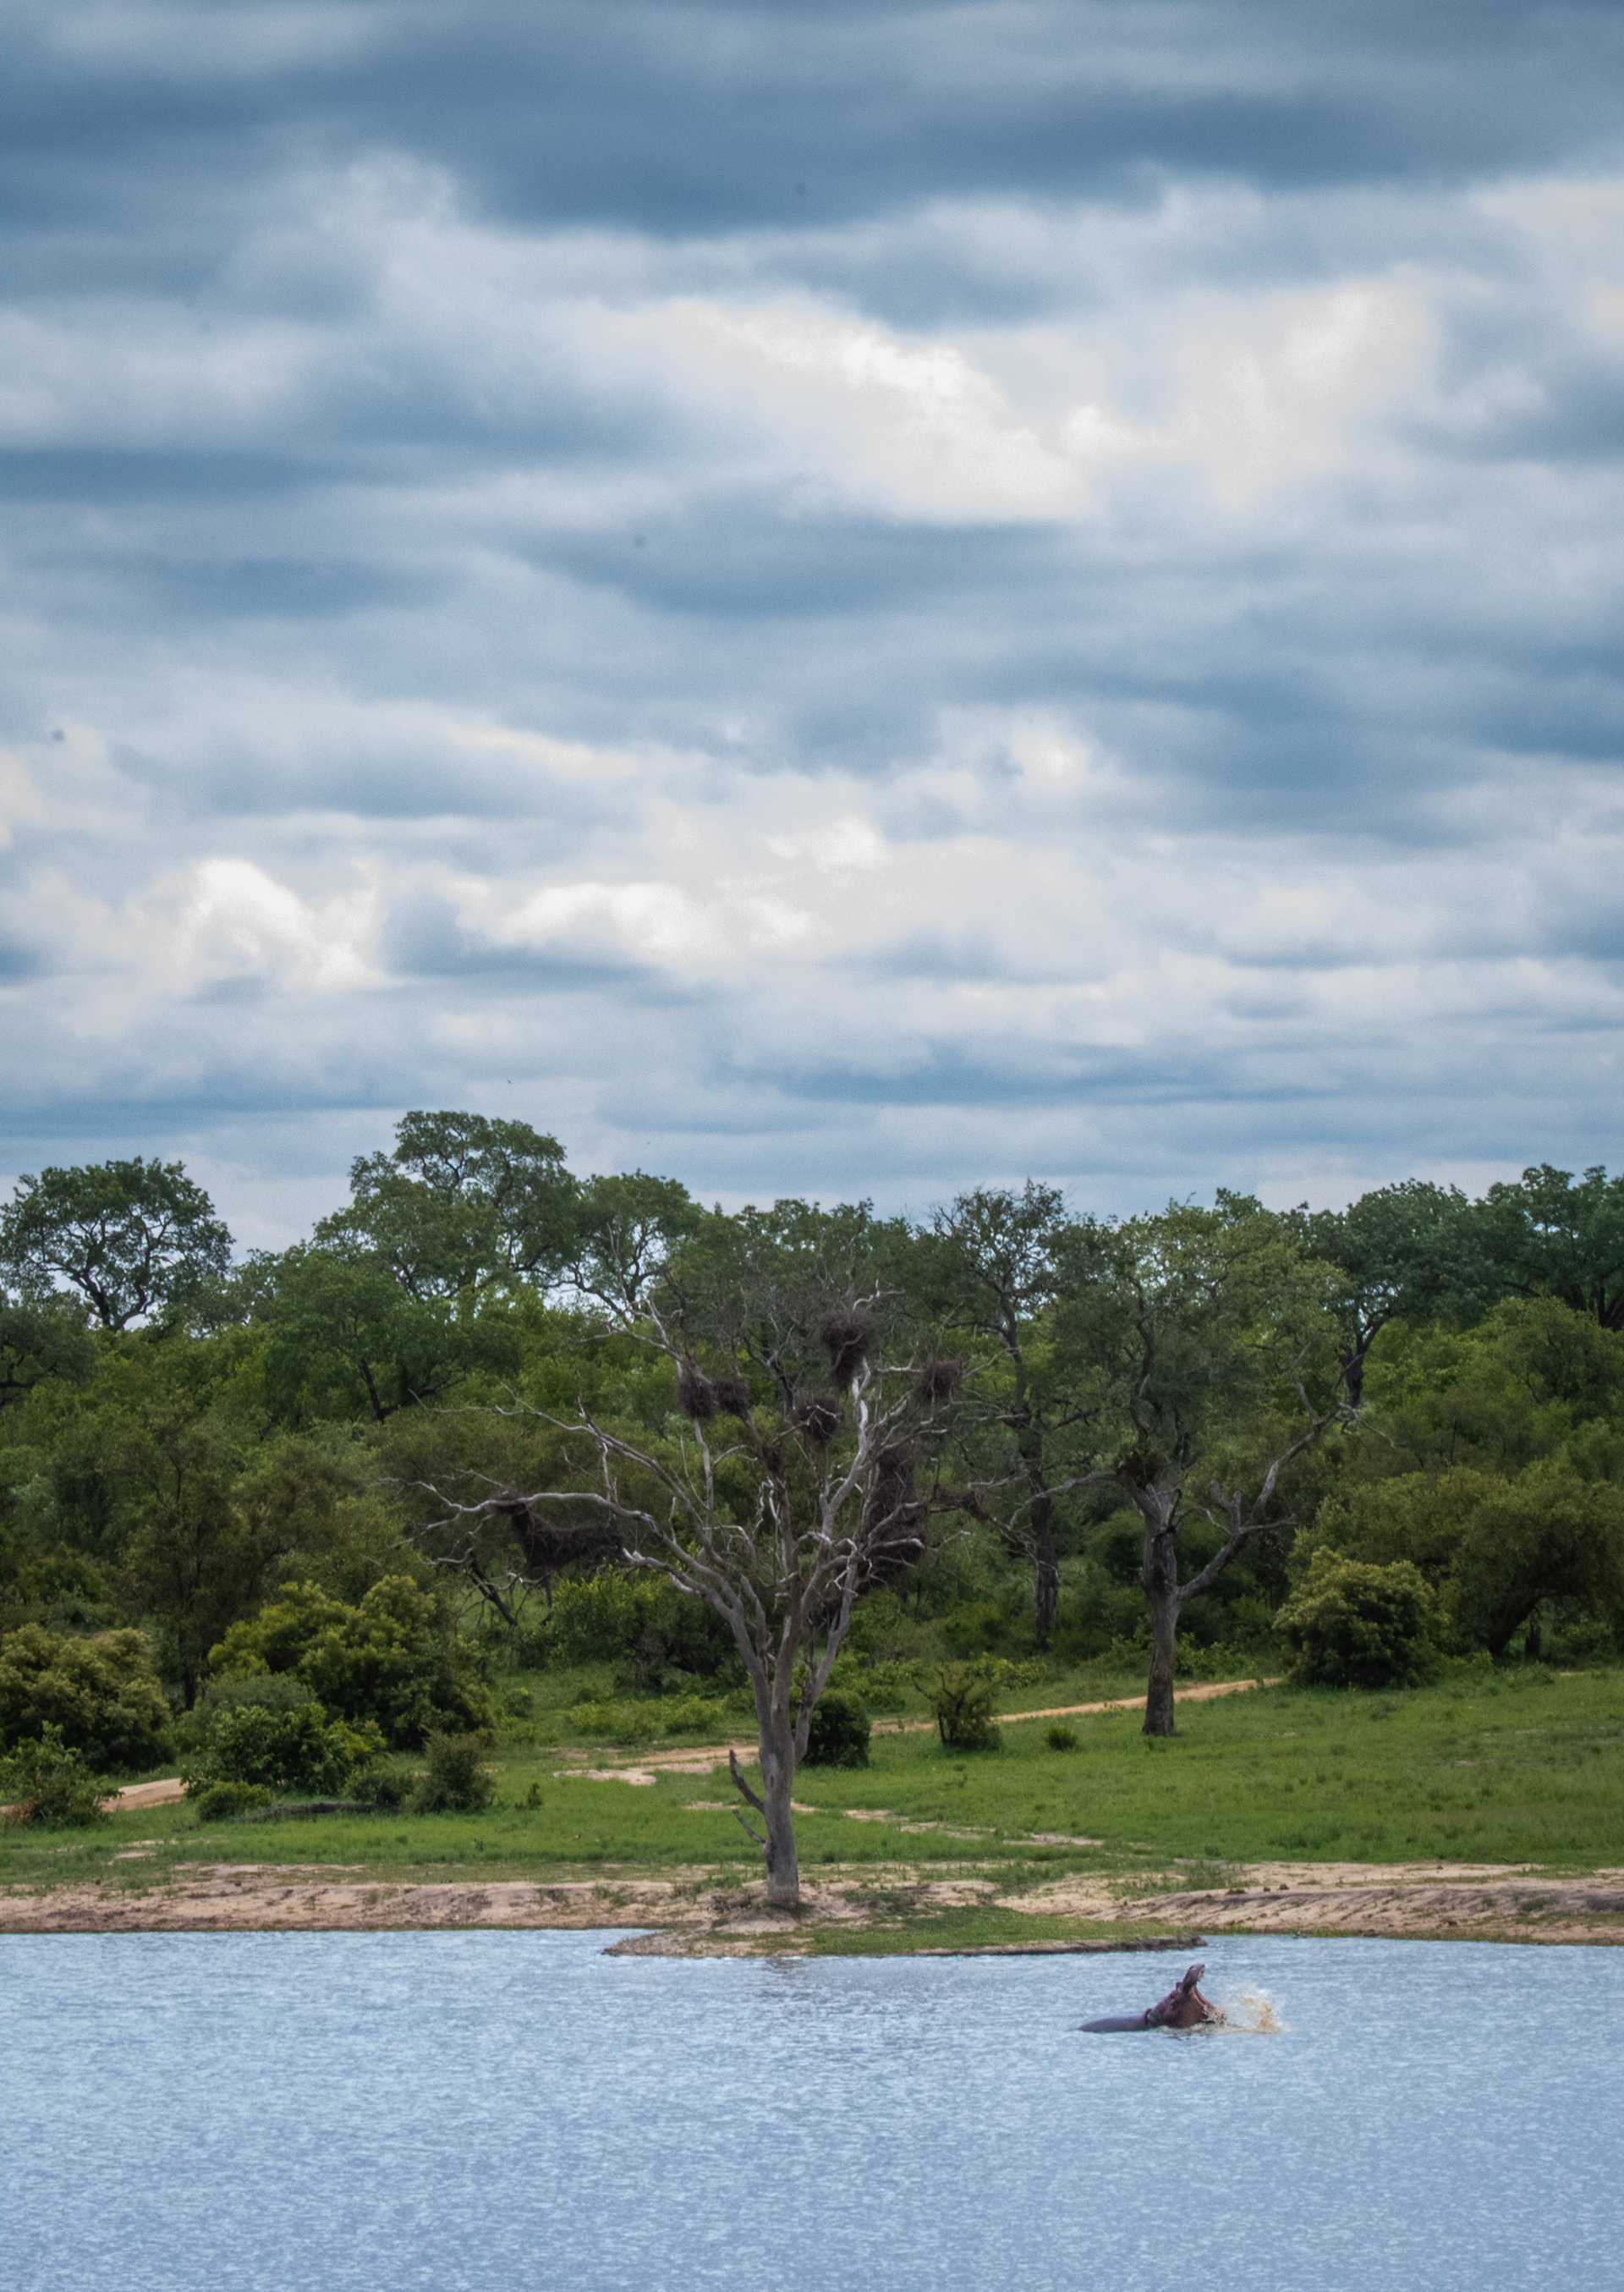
(689, 1915)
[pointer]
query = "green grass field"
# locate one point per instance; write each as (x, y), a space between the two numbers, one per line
(1518, 1766)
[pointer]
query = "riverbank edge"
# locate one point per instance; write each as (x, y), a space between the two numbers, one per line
(870, 1911)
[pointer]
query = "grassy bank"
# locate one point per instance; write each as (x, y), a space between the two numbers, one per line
(1521, 1766)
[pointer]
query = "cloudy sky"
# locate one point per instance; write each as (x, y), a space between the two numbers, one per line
(821, 598)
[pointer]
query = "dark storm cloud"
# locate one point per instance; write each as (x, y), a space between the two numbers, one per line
(680, 120)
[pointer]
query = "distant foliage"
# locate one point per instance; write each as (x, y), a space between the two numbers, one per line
(1353, 1624)
(103, 1694)
(599, 1618)
(388, 1659)
(45, 1781)
(638, 1623)
(979, 1627)
(456, 1780)
(838, 1735)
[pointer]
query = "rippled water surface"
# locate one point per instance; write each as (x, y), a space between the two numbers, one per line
(317, 2112)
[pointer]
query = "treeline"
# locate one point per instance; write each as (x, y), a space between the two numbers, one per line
(1182, 1438)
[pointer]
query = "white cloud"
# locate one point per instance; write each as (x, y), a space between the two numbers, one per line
(1265, 393)
(234, 914)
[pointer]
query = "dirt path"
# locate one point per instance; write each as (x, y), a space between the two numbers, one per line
(642, 1766)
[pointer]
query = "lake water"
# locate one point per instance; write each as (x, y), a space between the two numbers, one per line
(492, 2112)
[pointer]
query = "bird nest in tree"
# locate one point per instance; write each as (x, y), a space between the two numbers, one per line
(848, 1339)
(733, 1396)
(696, 1396)
(818, 1415)
(940, 1379)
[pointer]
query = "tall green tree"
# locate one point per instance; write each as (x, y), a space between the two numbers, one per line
(1412, 1252)
(138, 1240)
(1202, 1345)
(988, 1270)
(192, 1561)
(464, 1201)
(1550, 1234)
(346, 1339)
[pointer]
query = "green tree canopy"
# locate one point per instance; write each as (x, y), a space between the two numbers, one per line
(1411, 1251)
(42, 1337)
(139, 1241)
(1549, 1234)
(103, 1693)
(986, 1270)
(464, 1201)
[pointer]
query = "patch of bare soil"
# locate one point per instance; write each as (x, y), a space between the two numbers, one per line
(303, 1898)
(1427, 1901)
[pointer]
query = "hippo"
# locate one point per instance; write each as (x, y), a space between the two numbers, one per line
(1183, 2008)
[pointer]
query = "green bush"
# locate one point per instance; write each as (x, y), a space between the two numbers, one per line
(1060, 1739)
(389, 1659)
(960, 1697)
(384, 1789)
(456, 1780)
(839, 1733)
(45, 1780)
(1353, 1624)
(219, 1801)
(285, 1752)
(102, 1693)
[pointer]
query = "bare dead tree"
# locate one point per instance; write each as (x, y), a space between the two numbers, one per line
(789, 1490)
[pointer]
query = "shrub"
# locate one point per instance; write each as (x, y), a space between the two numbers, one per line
(840, 1732)
(1060, 1739)
(384, 1789)
(282, 1751)
(960, 1697)
(388, 1659)
(46, 1780)
(102, 1694)
(219, 1801)
(1353, 1624)
(456, 1780)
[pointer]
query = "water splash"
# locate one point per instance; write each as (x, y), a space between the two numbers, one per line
(1249, 2013)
